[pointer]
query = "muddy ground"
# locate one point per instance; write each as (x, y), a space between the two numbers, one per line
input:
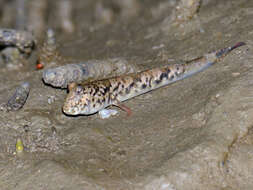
(194, 134)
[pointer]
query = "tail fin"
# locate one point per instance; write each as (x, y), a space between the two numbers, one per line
(199, 64)
(223, 52)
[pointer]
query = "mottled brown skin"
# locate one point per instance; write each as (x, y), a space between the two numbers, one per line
(97, 95)
(91, 97)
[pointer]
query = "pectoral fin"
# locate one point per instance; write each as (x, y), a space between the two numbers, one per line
(123, 107)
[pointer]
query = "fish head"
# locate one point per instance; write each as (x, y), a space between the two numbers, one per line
(78, 101)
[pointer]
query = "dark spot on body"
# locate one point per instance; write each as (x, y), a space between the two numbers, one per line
(158, 81)
(150, 82)
(114, 96)
(177, 73)
(101, 90)
(122, 86)
(127, 90)
(116, 88)
(94, 105)
(79, 89)
(143, 86)
(131, 85)
(96, 89)
(109, 98)
(163, 75)
(137, 79)
(172, 77)
(105, 90)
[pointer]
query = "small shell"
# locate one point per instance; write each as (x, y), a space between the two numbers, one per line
(19, 146)
(19, 98)
(106, 113)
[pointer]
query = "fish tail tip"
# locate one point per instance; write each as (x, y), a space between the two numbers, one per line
(239, 44)
(225, 51)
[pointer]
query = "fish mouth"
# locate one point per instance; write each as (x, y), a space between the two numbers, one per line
(67, 110)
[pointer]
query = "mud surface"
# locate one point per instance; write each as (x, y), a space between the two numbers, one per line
(194, 134)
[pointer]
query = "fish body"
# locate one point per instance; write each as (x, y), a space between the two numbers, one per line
(90, 97)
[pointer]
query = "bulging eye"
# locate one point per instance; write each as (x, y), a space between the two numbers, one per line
(79, 89)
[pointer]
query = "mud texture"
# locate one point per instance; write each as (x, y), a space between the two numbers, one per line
(195, 134)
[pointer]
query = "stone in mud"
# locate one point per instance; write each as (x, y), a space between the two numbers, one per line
(90, 70)
(19, 98)
(23, 40)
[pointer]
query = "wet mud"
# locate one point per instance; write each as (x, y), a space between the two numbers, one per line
(193, 134)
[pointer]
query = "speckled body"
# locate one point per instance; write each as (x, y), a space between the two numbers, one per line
(89, 98)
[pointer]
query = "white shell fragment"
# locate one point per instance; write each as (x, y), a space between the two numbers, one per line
(106, 113)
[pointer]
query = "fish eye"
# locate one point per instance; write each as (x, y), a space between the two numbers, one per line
(79, 90)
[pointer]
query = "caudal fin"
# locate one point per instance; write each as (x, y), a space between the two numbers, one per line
(225, 51)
